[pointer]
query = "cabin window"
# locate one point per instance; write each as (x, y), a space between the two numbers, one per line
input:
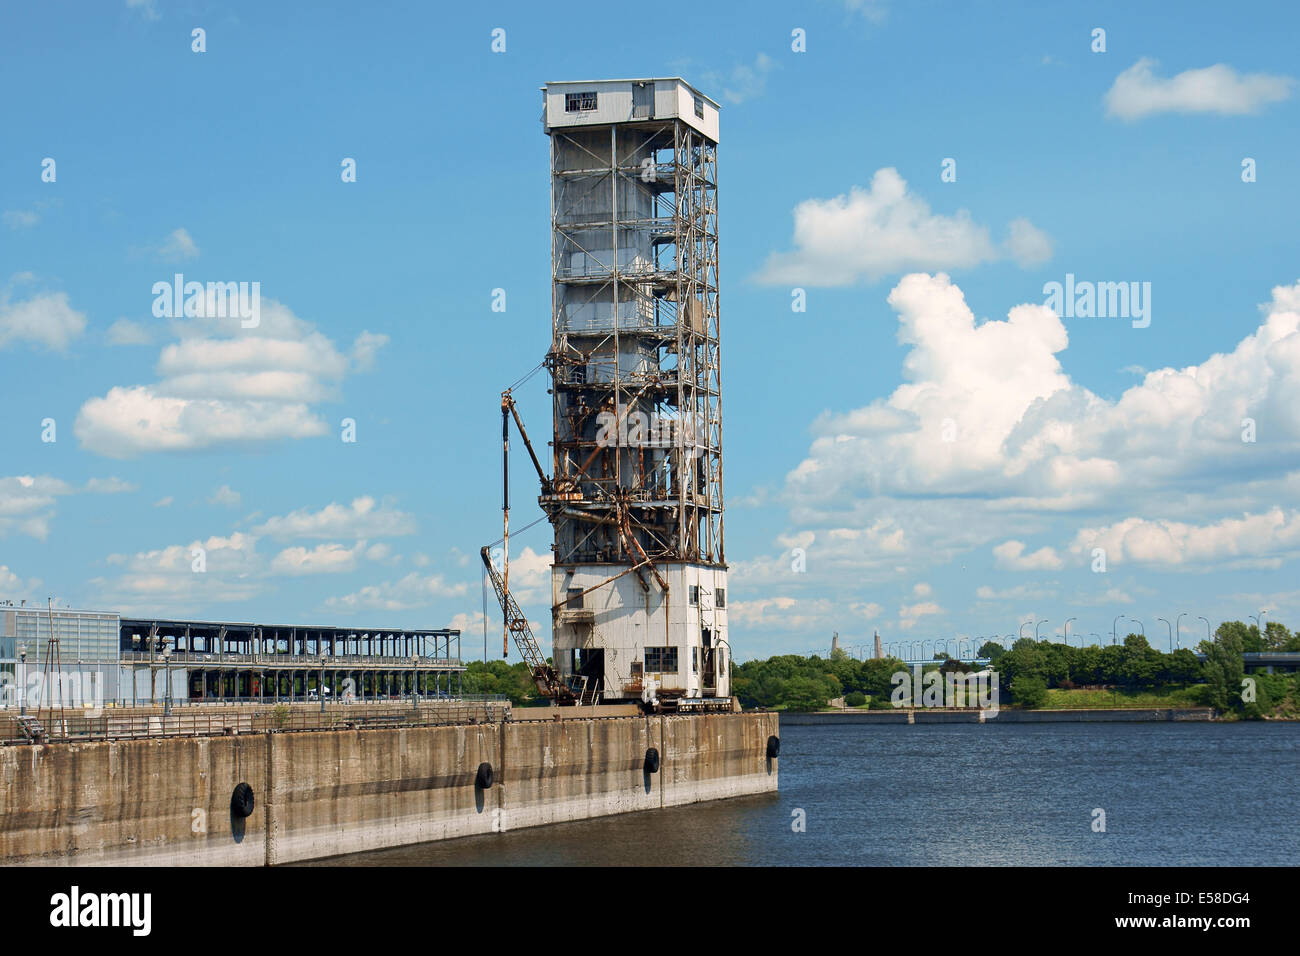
(574, 599)
(699, 107)
(662, 660)
(720, 597)
(579, 102)
(695, 595)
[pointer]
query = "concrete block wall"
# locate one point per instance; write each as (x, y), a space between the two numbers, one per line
(167, 801)
(164, 802)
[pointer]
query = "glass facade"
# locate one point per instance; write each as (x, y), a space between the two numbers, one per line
(88, 651)
(88, 636)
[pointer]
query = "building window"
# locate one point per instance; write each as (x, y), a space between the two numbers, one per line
(661, 660)
(579, 102)
(720, 596)
(695, 660)
(699, 107)
(695, 595)
(574, 599)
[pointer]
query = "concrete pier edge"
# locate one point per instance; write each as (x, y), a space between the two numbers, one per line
(167, 800)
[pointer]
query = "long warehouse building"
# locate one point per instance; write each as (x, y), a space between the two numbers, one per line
(101, 657)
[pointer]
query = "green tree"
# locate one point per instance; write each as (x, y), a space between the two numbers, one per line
(1223, 666)
(1029, 690)
(1277, 637)
(498, 677)
(1139, 663)
(1247, 635)
(1184, 667)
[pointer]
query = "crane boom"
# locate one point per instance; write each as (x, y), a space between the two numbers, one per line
(544, 675)
(514, 622)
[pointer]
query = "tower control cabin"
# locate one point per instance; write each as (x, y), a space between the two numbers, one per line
(639, 584)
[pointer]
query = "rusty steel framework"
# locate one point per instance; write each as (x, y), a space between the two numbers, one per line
(635, 357)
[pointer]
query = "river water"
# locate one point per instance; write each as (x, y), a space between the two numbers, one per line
(1174, 794)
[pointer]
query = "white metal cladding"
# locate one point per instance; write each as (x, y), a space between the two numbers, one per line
(617, 101)
(623, 619)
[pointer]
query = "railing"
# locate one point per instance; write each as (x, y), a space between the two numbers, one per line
(354, 661)
(213, 722)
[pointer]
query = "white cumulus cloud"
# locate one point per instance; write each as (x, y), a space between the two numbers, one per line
(221, 385)
(364, 517)
(45, 319)
(886, 230)
(1139, 92)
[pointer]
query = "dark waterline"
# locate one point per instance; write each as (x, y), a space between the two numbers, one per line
(955, 795)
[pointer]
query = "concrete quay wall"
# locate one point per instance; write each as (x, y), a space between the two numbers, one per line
(167, 801)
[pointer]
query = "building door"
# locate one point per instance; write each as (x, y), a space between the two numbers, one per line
(590, 663)
(643, 101)
(708, 674)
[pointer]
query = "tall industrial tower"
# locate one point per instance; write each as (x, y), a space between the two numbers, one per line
(639, 580)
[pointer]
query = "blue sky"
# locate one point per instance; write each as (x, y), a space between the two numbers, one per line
(1066, 435)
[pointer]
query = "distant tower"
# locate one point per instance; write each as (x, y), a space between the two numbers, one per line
(639, 580)
(835, 642)
(880, 651)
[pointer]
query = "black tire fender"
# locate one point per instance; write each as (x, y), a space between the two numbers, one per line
(773, 747)
(483, 778)
(652, 760)
(241, 801)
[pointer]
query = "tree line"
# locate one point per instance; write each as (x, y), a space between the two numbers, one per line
(1028, 669)
(1026, 672)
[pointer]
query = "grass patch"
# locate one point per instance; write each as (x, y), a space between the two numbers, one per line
(1086, 699)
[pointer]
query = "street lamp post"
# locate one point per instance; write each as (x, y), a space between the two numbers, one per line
(1259, 623)
(1171, 633)
(1067, 630)
(1114, 629)
(167, 690)
(1178, 628)
(1022, 630)
(1207, 627)
(1043, 621)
